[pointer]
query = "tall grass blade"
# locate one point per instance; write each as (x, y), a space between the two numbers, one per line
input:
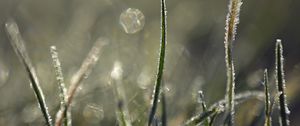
(61, 84)
(157, 87)
(268, 109)
(280, 82)
(83, 72)
(17, 43)
(231, 24)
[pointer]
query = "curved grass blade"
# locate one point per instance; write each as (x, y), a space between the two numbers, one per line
(82, 74)
(268, 119)
(241, 97)
(61, 84)
(157, 88)
(280, 82)
(198, 119)
(17, 43)
(231, 24)
(220, 105)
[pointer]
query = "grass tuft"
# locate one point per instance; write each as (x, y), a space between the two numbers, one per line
(82, 74)
(231, 24)
(17, 43)
(159, 75)
(280, 82)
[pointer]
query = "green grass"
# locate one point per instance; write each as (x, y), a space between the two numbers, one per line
(17, 43)
(268, 120)
(207, 116)
(159, 76)
(62, 88)
(280, 82)
(231, 25)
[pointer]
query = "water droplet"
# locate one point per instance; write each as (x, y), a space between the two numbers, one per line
(4, 74)
(93, 113)
(132, 20)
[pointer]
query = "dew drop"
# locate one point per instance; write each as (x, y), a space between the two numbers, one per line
(132, 20)
(93, 113)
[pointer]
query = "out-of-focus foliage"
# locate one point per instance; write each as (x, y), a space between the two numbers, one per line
(194, 57)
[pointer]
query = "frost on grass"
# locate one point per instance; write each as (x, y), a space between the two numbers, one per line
(268, 109)
(132, 20)
(280, 82)
(159, 75)
(59, 75)
(83, 72)
(231, 25)
(61, 85)
(17, 43)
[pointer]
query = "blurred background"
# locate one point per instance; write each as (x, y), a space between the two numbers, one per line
(194, 61)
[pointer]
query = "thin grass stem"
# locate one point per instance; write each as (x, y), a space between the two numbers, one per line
(280, 82)
(159, 75)
(267, 100)
(204, 107)
(231, 25)
(82, 74)
(61, 84)
(199, 119)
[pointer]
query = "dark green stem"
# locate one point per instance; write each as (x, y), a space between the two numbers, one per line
(157, 88)
(280, 82)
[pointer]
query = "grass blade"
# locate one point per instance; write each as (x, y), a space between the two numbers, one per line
(280, 82)
(157, 87)
(17, 43)
(268, 109)
(198, 119)
(231, 25)
(83, 72)
(213, 117)
(219, 106)
(204, 107)
(61, 84)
